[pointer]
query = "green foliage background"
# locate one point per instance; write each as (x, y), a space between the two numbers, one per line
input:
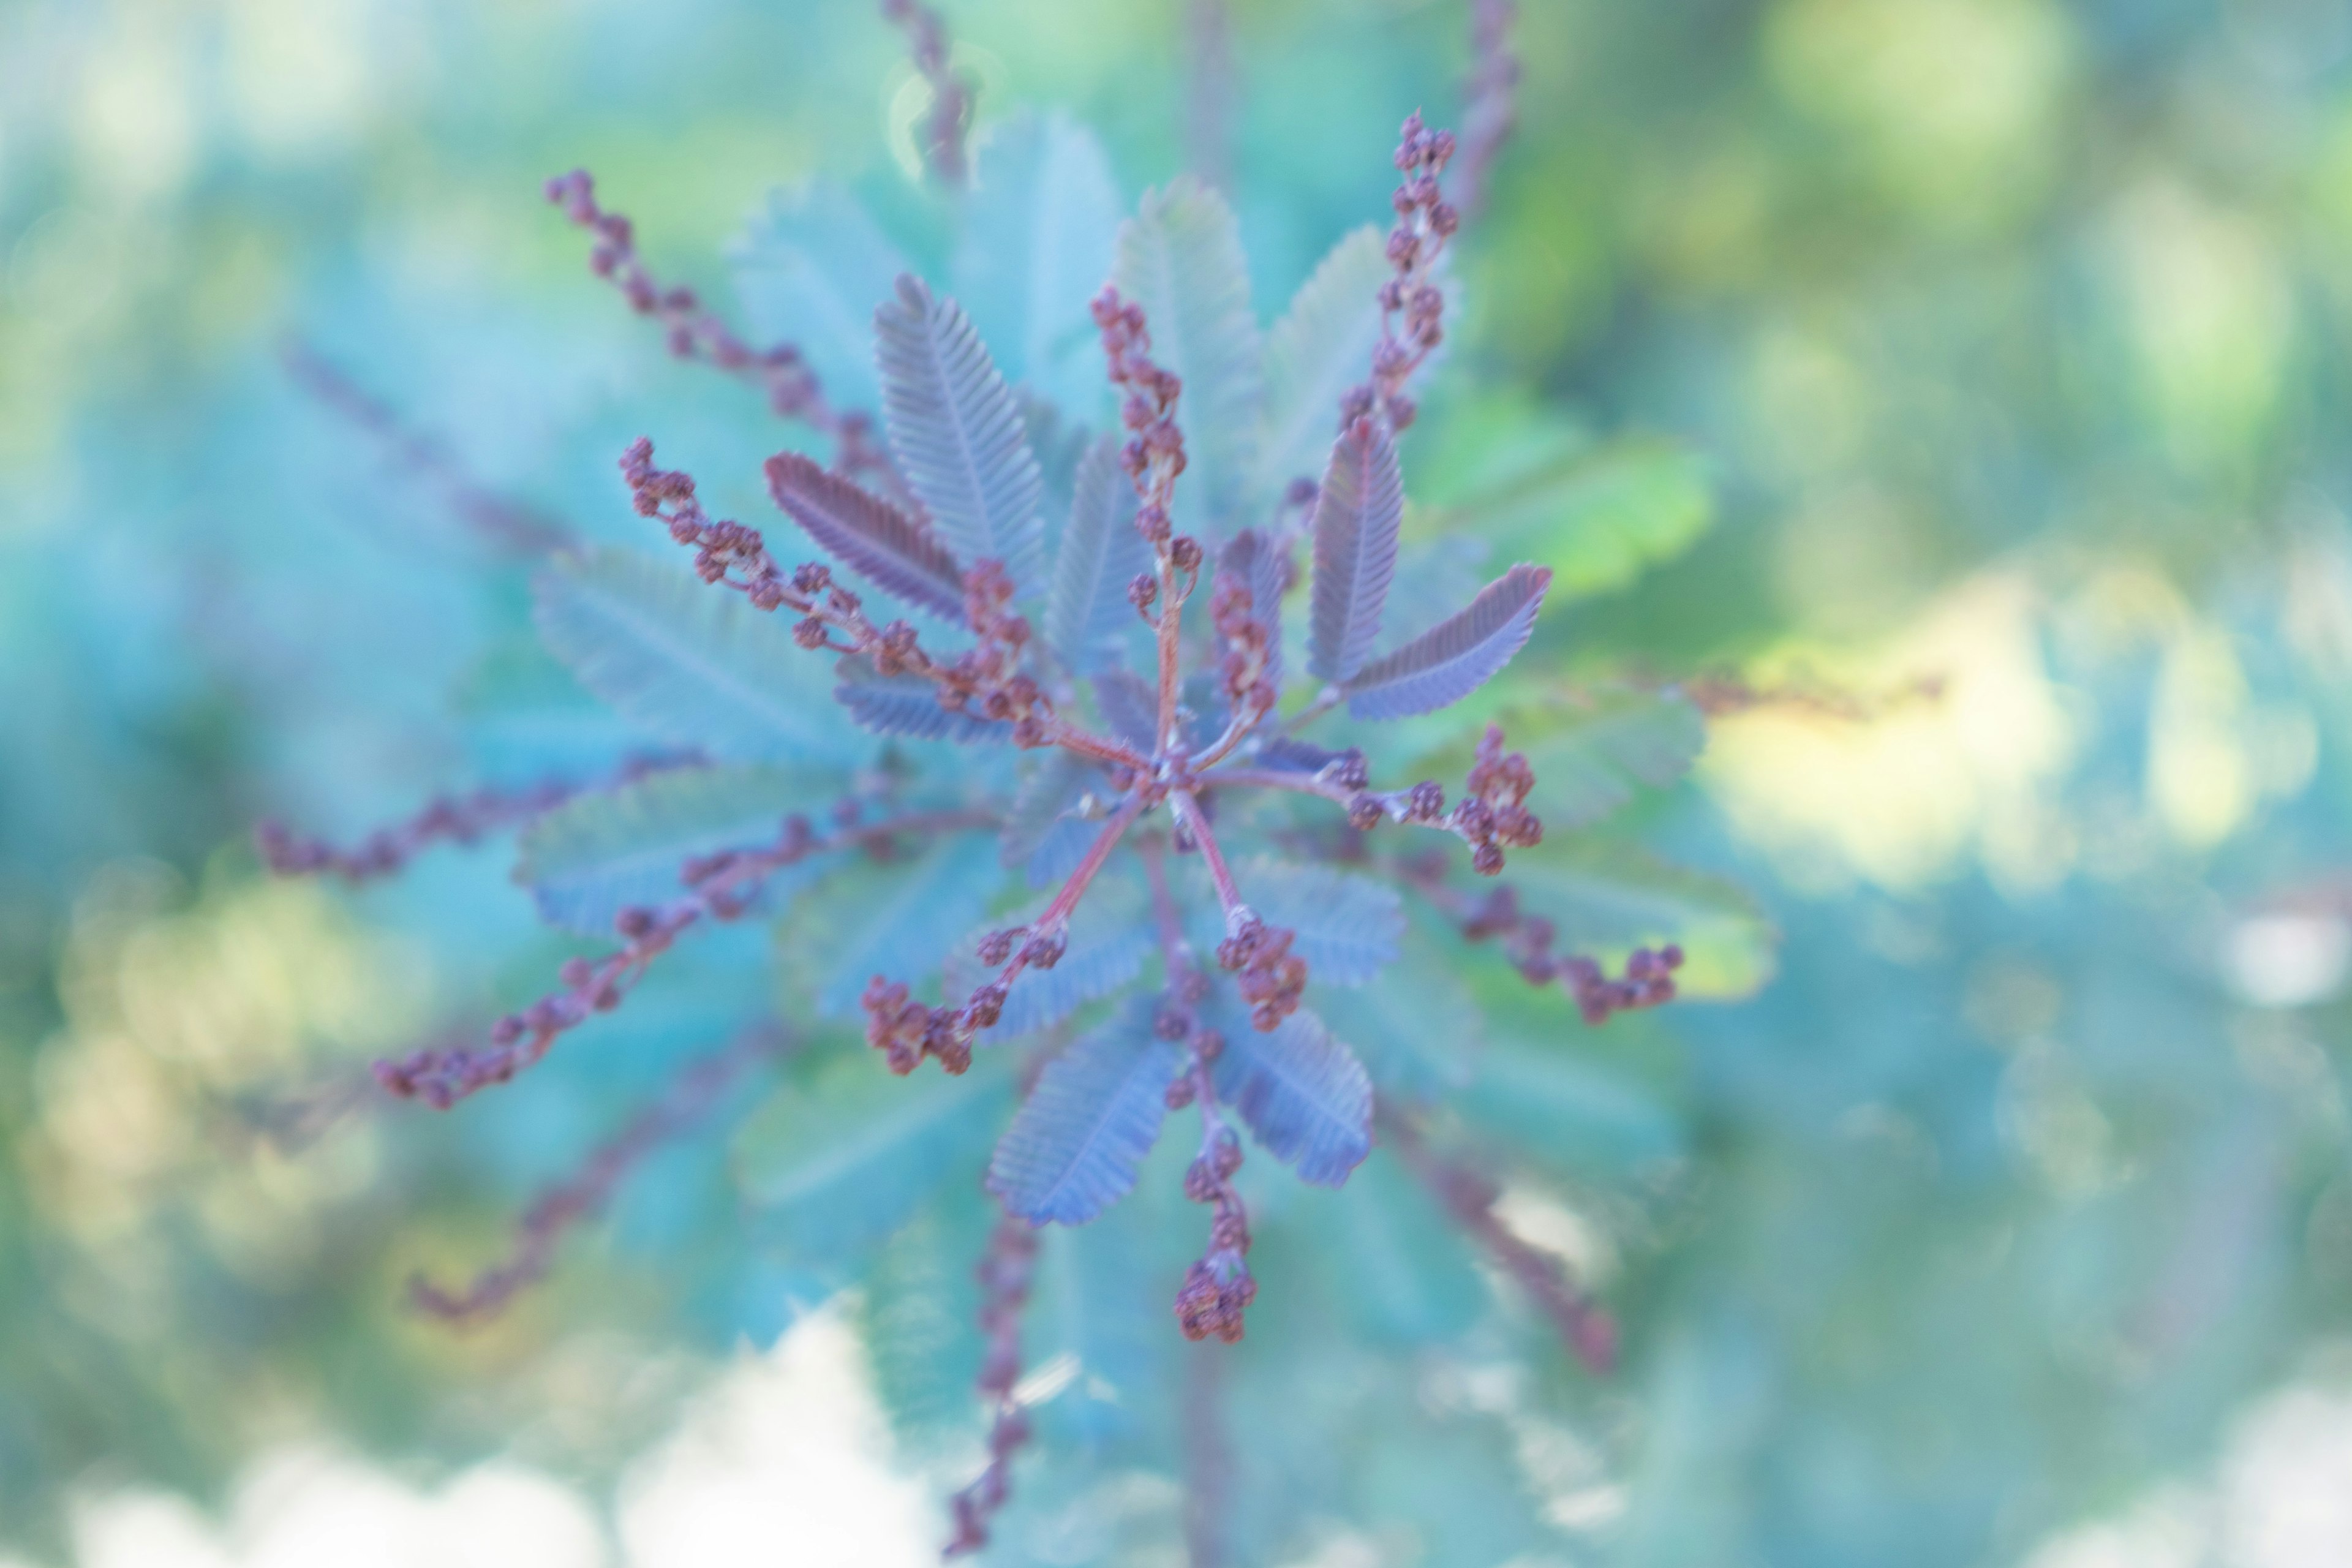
(1989, 340)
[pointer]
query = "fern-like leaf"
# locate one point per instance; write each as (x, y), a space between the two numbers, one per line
(901, 920)
(1348, 927)
(1181, 256)
(907, 705)
(1129, 706)
(869, 536)
(1455, 657)
(1302, 1092)
(1086, 610)
(958, 433)
(844, 1156)
(1073, 1149)
(686, 663)
(1610, 746)
(596, 854)
(809, 269)
(1040, 226)
(1320, 348)
(1355, 522)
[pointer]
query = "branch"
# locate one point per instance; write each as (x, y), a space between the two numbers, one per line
(985, 680)
(452, 819)
(907, 1031)
(723, 886)
(697, 1088)
(1490, 111)
(1648, 980)
(1586, 1326)
(1411, 307)
(1218, 1287)
(1004, 1275)
(695, 333)
(1491, 815)
(950, 115)
(511, 524)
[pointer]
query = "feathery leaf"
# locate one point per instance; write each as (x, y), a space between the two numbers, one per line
(844, 1155)
(1180, 257)
(690, 664)
(1073, 1149)
(1566, 1109)
(1453, 657)
(596, 854)
(1040, 226)
(1087, 611)
(809, 269)
(1607, 748)
(907, 705)
(957, 431)
(1129, 706)
(869, 536)
(1303, 1093)
(1321, 348)
(1416, 1027)
(1355, 522)
(899, 919)
(1349, 926)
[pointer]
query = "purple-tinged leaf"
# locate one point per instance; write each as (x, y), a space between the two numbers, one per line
(1290, 754)
(1086, 608)
(957, 431)
(1130, 706)
(1073, 1149)
(907, 705)
(1356, 521)
(869, 536)
(1303, 1093)
(1455, 657)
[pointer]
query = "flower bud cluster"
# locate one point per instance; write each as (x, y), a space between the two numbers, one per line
(1411, 306)
(1154, 453)
(693, 333)
(1245, 669)
(987, 678)
(1493, 814)
(1271, 977)
(723, 552)
(906, 1031)
(1005, 1273)
(1648, 980)
(1218, 1287)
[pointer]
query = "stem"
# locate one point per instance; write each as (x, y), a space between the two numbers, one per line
(1171, 617)
(1228, 894)
(1100, 748)
(1325, 701)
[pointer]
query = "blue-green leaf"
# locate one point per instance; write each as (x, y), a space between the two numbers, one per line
(1180, 257)
(1040, 225)
(1073, 1149)
(1086, 610)
(843, 1157)
(1302, 1092)
(957, 431)
(692, 664)
(810, 269)
(898, 919)
(596, 854)
(1320, 348)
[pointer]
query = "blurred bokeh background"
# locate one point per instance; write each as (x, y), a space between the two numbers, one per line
(2010, 1224)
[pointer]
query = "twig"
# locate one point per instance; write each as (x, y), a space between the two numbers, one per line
(511, 524)
(692, 1094)
(943, 130)
(1005, 1272)
(1587, 1328)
